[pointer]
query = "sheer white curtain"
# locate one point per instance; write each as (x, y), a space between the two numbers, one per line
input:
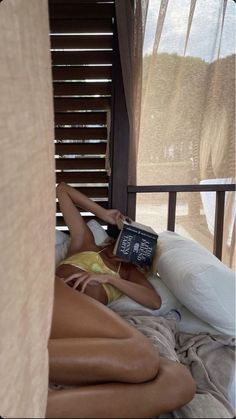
(183, 107)
(187, 113)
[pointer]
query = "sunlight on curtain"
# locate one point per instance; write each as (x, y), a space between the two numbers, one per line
(187, 113)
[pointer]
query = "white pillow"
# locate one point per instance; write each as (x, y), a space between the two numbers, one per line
(198, 280)
(100, 235)
(192, 324)
(168, 301)
(62, 244)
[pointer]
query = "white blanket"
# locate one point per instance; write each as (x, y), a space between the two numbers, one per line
(210, 358)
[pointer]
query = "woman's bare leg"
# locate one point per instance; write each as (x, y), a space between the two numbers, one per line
(89, 343)
(172, 388)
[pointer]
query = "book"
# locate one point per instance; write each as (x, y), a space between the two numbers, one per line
(136, 243)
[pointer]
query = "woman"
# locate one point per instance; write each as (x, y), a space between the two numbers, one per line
(95, 270)
(110, 369)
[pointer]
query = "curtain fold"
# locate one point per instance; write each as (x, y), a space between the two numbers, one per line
(27, 205)
(190, 19)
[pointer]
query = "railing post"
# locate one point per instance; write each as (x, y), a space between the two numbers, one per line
(219, 223)
(171, 211)
(131, 205)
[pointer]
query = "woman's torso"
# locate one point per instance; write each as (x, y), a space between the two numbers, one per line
(100, 261)
(105, 253)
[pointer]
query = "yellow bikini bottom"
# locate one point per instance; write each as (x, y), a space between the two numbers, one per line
(92, 262)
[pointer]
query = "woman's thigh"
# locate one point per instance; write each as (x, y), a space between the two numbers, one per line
(90, 344)
(78, 315)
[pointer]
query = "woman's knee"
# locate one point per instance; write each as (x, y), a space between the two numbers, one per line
(181, 384)
(144, 359)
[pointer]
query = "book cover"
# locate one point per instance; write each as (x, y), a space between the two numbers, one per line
(136, 243)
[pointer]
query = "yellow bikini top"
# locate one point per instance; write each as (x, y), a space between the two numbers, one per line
(92, 262)
(89, 261)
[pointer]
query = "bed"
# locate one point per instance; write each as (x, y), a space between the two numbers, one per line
(202, 289)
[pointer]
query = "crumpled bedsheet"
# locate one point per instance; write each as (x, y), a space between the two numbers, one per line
(210, 358)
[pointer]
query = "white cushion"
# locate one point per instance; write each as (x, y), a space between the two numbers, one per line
(192, 324)
(62, 244)
(100, 235)
(168, 301)
(198, 280)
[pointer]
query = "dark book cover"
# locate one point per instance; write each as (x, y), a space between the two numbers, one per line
(136, 243)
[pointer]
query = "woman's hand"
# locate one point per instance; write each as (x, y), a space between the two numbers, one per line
(115, 217)
(85, 278)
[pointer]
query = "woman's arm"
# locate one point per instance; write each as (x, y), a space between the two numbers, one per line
(111, 216)
(137, 287)
(142, 294)
(146, 296)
